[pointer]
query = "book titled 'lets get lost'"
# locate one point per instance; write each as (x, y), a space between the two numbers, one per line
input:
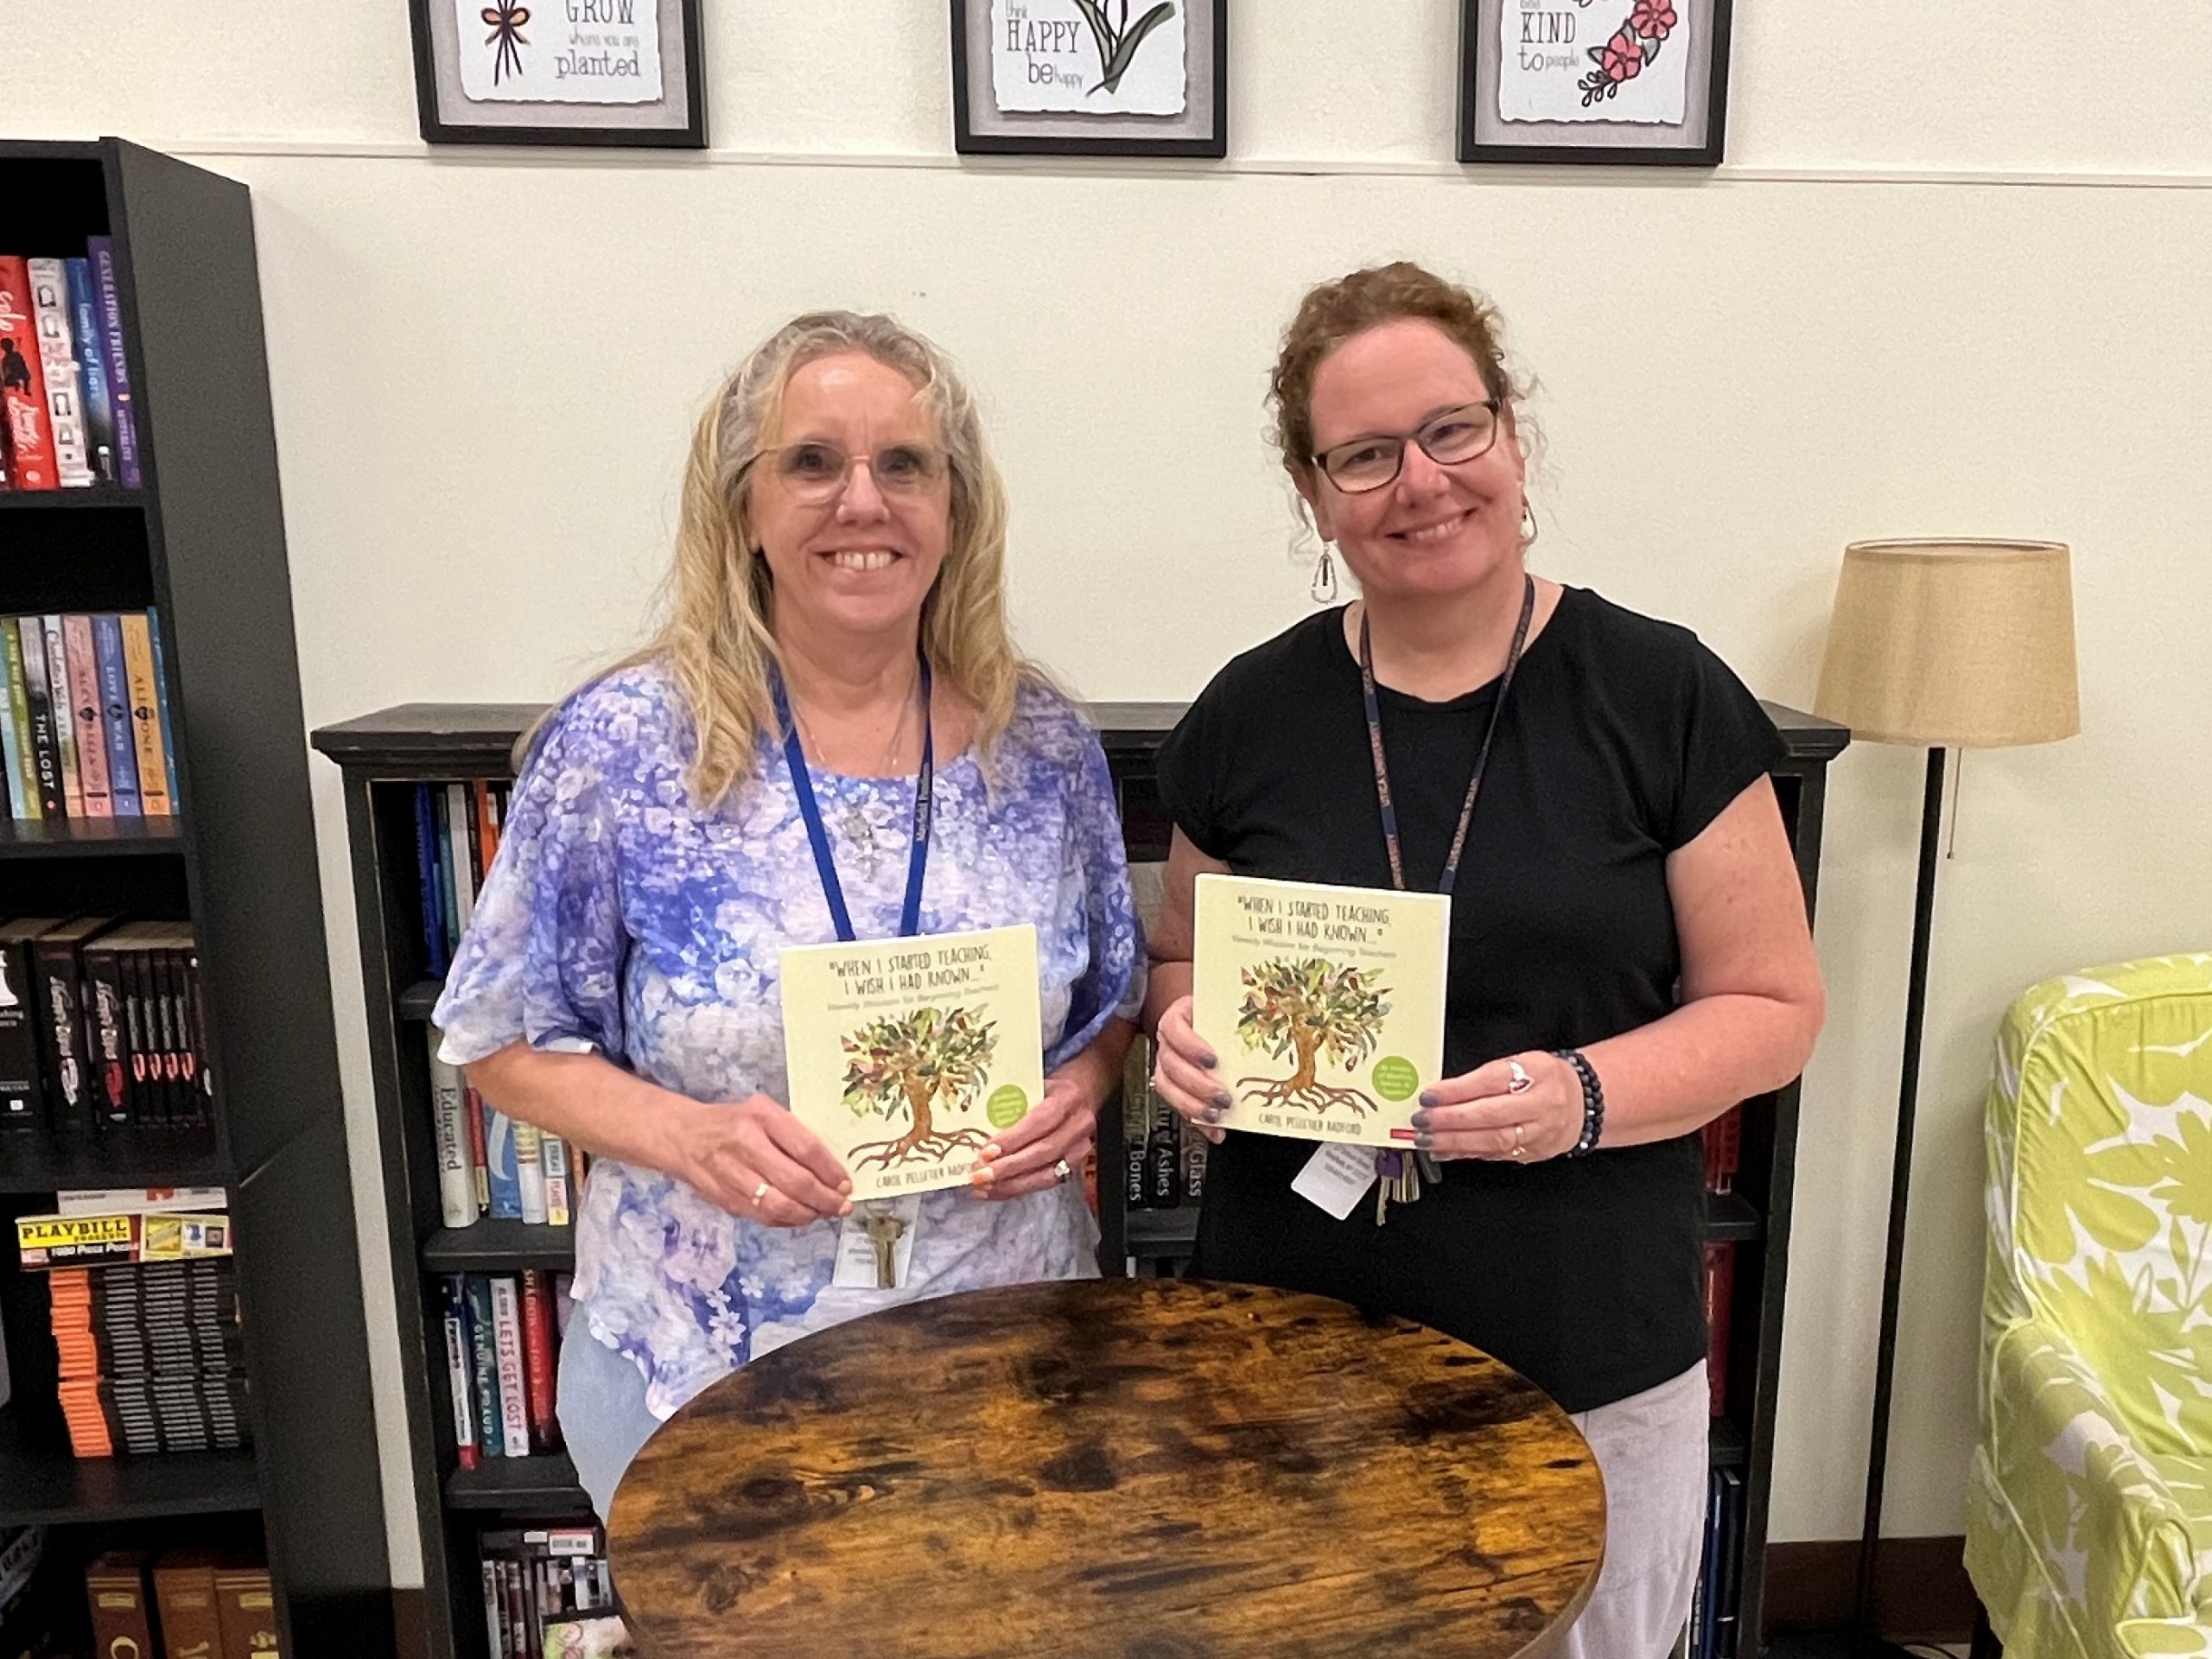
(906, 1056)
(1325, 1005)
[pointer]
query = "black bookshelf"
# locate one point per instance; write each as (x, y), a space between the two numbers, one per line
(203, 543)
(384, 755)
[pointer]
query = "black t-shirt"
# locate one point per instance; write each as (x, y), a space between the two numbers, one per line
(1622, 739)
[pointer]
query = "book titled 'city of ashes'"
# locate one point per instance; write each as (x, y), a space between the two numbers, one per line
(1325, 1005)
(906, 1056)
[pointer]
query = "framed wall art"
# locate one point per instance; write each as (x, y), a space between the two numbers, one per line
(1616, 82)
(1091, 77)
(559, 71)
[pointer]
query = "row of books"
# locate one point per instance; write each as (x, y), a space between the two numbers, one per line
(102, 1023)
(1712, 1607)
(1163, 1164)
(204, 1604)
(503, 1342)
(67, 418)
(85, 730)
(143, 1308)
(490, 1165)
(548, 1593)
(456, 836)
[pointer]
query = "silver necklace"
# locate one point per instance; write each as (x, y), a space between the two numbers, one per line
(859, 831)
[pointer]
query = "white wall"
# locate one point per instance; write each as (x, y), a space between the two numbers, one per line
(1952, 280)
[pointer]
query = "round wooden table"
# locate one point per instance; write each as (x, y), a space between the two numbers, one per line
(1140, 1468)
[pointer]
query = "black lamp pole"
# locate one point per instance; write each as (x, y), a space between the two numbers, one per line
(1862, 1641)
(1885, 1355)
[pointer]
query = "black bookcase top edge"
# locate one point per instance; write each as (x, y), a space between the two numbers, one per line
(436, 732)
(50, 149)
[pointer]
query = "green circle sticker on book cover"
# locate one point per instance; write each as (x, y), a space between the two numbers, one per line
(1005, 1107)
(1395, 1078)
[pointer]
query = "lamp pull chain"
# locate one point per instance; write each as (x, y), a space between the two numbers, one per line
(1951, 841)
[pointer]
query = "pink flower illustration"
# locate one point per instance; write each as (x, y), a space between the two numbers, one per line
(1623, 58)
(1654, 19)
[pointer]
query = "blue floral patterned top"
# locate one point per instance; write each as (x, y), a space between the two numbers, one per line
(619, 915)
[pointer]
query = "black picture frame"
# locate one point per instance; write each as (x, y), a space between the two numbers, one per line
(438, 99)
(978, 129)
(1593, 144)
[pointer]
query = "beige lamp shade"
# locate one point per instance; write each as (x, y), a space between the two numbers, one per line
(1953, 644)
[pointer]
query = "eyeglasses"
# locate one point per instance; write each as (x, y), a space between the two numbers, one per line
(1450, 439)
(817, 473)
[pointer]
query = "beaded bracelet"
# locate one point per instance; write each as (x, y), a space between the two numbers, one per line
(1593, 1101)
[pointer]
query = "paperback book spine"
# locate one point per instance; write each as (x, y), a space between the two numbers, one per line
(106, 631)
(100, 250)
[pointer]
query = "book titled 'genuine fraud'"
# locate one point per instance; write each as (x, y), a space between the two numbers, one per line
(906, 1056)
(1325, 1005)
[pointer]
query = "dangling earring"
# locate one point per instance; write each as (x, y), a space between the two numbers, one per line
(1325, 576)
(1528, 523)
(1308, 545)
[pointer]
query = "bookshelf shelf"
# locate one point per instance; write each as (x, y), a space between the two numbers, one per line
(1732, 1449)
(419, 998)
(201, 552)
(545, 1482)
(1732, 1216)
(95, 500)
(1162, 1235)
(501, 1246)
(93, 837)
(42, 1484)
(118, 1157)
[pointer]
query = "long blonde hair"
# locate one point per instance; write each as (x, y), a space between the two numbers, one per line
(713, 637)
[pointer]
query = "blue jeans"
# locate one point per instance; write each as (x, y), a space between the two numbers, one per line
(601, 1396)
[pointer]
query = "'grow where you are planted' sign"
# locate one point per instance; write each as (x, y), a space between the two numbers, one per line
(560, 51)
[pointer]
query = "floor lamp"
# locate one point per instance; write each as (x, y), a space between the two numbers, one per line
(1940, 645)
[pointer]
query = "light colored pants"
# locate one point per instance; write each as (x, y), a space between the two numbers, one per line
(602, 1398)
(1651, 1449)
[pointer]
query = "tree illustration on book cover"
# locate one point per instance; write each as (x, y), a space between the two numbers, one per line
(1329, 999)
(916, 1065)
(905, 1056)
(1306, 1010)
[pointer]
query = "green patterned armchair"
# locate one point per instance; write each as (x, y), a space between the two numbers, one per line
(2089, 1515)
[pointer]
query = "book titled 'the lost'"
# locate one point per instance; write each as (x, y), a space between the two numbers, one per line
(1324, 1004)
(905, 1056)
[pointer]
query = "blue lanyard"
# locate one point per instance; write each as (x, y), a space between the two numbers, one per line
(1482, 755)
(910, 914)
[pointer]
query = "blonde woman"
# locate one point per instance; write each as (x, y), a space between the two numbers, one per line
(840, 555)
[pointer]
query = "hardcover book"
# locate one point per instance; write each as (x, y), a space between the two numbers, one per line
(907, 1055)
(1325, 1004)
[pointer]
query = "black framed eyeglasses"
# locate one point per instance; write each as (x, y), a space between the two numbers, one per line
(1450, 437)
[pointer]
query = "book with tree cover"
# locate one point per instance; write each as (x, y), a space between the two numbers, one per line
(1325, 1004)
(907, 1055)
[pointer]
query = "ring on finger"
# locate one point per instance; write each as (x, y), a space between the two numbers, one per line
(1522, 1083)
(759, 1192)
(1061, 1171)
(1520, 1130)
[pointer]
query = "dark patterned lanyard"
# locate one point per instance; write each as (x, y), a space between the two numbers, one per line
(910, 914)
(1399, 1176)
(1482, 755)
